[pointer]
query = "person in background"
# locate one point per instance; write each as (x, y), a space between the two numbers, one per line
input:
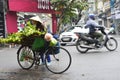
(113, 26)
(92, 25)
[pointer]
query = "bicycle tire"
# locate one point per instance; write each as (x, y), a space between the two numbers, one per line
(109, 44)
(59, 63)
(25, 57)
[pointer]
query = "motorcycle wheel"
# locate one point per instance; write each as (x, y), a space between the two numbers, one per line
(111, 44)
(79, 48)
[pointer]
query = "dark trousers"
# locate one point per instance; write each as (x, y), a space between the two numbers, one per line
(98, 36)
(43, 58)
(43, 50)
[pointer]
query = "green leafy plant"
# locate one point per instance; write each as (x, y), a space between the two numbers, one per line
(25, 37)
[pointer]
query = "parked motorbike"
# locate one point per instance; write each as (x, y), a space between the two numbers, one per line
(86, 42)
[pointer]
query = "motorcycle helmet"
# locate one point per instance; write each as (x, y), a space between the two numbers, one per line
(92, 16)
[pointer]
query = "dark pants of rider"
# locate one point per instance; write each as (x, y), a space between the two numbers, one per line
(43, 58)
(47, 56)
(98, 36)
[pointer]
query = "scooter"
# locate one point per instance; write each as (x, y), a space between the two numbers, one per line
(86, 42)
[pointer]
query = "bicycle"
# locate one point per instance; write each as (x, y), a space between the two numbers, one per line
(60, 60)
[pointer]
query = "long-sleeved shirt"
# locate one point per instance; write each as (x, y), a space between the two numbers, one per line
(91, 24)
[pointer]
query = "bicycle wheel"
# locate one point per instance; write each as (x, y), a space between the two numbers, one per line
(25, 57)
(111, 44)
(59, 62)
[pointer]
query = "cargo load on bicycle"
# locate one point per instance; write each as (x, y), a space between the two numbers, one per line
(28, 37)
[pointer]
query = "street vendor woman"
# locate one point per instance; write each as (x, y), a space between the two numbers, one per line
(37, 22)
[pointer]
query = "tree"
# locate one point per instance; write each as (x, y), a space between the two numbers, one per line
(68, 10)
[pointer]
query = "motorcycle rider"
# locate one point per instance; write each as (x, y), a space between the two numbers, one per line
(92, 25)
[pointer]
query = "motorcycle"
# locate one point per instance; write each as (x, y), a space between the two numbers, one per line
(86, 42)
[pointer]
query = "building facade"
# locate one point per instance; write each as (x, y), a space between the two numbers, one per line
(27, 6)
(115, 14)
(2, 19)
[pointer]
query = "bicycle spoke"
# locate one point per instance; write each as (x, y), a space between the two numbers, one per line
(25, 57)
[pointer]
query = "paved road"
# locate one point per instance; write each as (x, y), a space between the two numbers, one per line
(94, 65)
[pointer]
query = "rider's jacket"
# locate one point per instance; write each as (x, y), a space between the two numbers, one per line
(91, 24)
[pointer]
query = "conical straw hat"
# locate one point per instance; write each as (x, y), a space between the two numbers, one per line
(36, 18)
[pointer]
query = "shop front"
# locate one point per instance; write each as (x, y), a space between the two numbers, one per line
(32, 6)
(115, 14)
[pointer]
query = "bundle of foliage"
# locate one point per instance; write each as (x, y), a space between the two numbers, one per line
(25, 37)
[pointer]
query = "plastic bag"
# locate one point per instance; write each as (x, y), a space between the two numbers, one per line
(38, 44)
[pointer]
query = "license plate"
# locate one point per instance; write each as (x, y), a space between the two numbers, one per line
(66, 39)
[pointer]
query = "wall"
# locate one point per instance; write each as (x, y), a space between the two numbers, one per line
(35, 6)
(11, 22)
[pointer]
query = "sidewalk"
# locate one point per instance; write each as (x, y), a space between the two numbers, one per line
(8, 46)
